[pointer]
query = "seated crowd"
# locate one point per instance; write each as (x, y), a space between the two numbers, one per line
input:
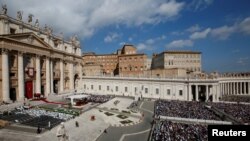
(99, 98)
(236, 98)
(184, 109)
(170, 131)
(34, 117)
(238, 111)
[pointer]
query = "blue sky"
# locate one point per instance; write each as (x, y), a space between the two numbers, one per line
(220, 29)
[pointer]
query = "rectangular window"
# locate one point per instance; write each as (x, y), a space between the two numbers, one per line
(12, 31)
(107, 88)
(146, 90)
(126, 89)
(92, 87)
(157, 91)
(180, 92)
(135, 89)
(100, 87)
(116, 88)
(168, 91)
(84, 86)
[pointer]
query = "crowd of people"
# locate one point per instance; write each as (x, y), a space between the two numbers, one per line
(236, 98)
(41, 112)
(184, 109)
(99, 98)
(170, 131)
(238, 111)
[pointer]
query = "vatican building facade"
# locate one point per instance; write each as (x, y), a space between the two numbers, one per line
(51, 89)
(35, 61)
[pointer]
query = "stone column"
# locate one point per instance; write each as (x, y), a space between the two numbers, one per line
(80, 76)
(216, 95)
(5, 76)
(236, 88)
(214, 91)
(185, 92)
(61, 76)
(226, 89)
(221, 89)
(189, 92)
(20, 77)
(207, 94)
(71, 76)
(51, 77)
(223, 92)
(240, 88)
(47, 77)
(38, 74)
(231, 88)
(196, 93)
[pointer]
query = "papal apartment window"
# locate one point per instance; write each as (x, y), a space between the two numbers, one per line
(100, 87)
(168, 92)
(157, 91)
(180, 92)
(12, 31)
(107, 88)
(116, 88)
(146, 90)
(126, 89)
(92, 87)
(84, 86)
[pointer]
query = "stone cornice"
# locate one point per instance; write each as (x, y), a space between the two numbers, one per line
(22, 46)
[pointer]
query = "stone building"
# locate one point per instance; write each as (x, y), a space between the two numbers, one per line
(126, 62)
(186, 89)
(132, 64)
(105, 63)
(188, 60)
(164, 73)
(91, 69)
(34, 60)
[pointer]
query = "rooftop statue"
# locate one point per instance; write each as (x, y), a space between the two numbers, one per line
(19, 15)
(37, 23)
(30, 18)
(4, 9)
(75, 41)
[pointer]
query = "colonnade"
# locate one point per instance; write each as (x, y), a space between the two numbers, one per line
(235, 88)
(36, 77)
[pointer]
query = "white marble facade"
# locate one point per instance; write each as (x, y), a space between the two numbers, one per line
(172, 89)
(35, 60)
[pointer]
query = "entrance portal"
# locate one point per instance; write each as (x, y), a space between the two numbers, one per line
(55, 85)
(29, 89)
(13, 94)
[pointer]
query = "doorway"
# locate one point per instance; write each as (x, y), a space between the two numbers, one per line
(29, 89)
(13, 94)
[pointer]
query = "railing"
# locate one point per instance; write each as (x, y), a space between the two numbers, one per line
(169, 78)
